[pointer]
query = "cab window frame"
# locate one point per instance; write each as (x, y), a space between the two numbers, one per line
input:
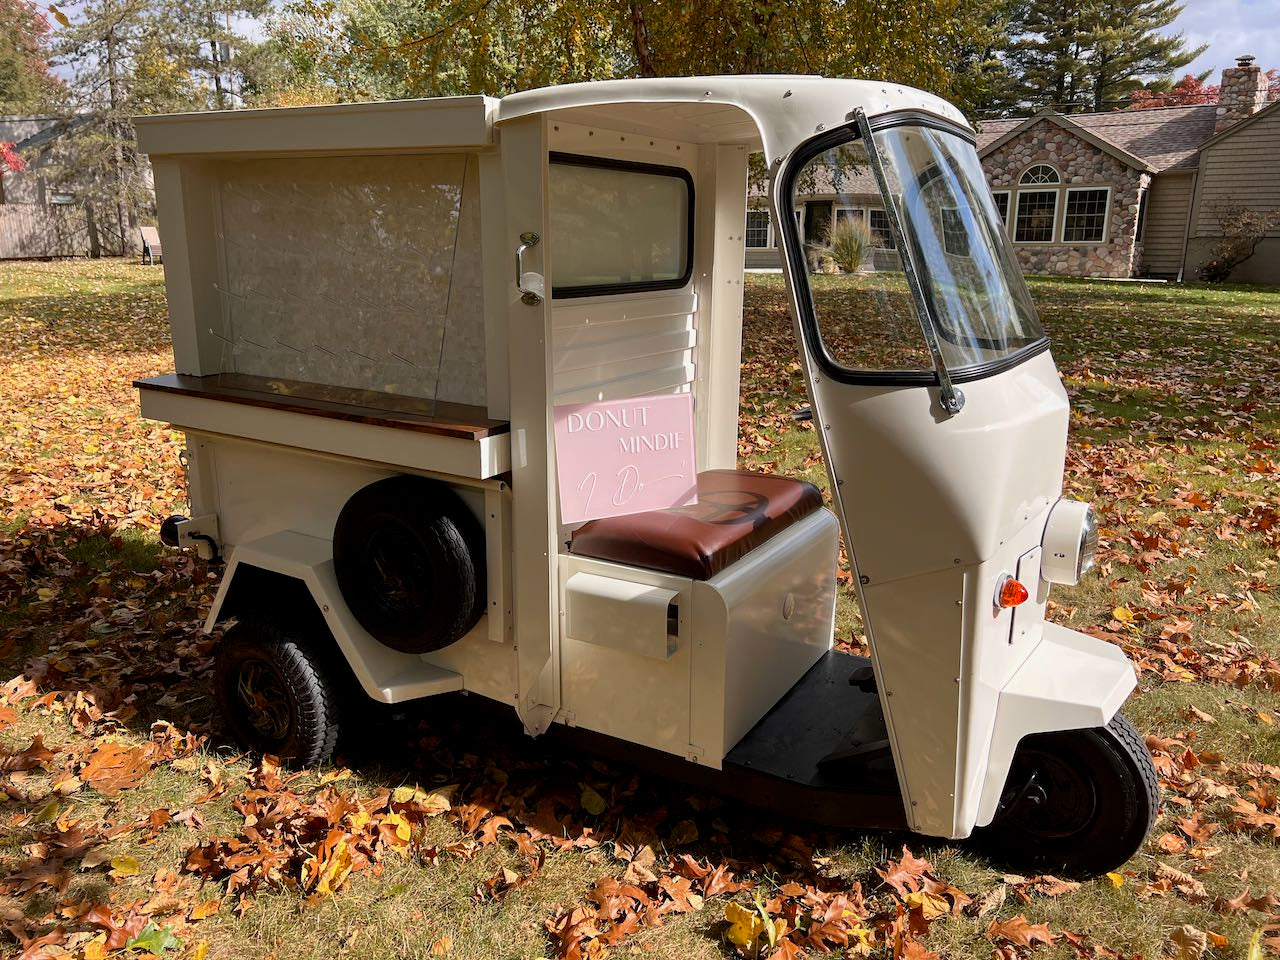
(848, 133)
(576, 291)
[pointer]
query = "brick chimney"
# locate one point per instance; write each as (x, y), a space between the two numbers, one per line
(1243, 93)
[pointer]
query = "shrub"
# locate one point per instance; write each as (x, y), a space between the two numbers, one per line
(1242, 231)
(847, 242)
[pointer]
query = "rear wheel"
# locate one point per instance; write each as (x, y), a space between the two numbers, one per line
(275, 694)
(1076, 801)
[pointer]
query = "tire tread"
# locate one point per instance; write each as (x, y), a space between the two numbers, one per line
(314, 692)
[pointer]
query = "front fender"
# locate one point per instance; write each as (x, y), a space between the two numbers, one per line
(1069, 682)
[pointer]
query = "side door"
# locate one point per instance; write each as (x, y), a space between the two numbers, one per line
(939, 484)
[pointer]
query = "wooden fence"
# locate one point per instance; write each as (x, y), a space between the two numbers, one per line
(33, 231)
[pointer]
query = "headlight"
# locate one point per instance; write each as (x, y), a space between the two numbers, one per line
(1070, 542)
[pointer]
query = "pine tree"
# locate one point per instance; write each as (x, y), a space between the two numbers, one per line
(1126, 44)
(1075, 55)
(127, 58)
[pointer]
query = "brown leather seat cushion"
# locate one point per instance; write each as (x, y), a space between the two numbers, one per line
(735, 513)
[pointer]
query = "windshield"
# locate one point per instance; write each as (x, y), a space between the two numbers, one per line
(975, 289)
(969, 279)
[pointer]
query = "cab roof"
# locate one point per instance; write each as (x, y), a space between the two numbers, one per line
(773, 112)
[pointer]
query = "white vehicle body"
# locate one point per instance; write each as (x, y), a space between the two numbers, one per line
(264, 266)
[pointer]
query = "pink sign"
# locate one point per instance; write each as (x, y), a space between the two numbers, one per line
(625, 456)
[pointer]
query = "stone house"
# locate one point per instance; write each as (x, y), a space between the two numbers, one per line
(1128, 193)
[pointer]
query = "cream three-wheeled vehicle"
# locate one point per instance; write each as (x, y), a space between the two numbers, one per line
(385, 314)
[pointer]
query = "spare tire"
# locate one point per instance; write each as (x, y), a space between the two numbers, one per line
(410, 561)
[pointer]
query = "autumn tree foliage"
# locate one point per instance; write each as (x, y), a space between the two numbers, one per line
(378, 50)
(26, 82)
(9, 160)
(1188, 91)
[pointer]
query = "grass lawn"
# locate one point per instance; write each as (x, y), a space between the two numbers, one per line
(129, 825)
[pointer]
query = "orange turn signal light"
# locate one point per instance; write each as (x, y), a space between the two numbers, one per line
(1011, 593)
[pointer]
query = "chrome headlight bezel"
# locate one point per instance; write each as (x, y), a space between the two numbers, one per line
(1069, 546)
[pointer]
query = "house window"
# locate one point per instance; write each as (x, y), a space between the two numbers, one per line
(849, 215)
(1036, 212)
(1001, 198)
(955, 238)
(1041, 173)
(1086, 216)
(881, 235)
(62, 199)
(1142, 216)
(757, 228)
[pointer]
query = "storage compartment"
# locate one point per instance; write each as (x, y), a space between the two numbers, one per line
(737, 641)
(633, 617)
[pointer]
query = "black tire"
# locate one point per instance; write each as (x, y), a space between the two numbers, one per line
(276, 695)
(410, 561)
(1076, 801)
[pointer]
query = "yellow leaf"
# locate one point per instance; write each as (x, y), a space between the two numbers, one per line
(592, 802)
(358, 820)
(861, 940)
(746, 927)
(124, 866)
(1117, 880)
(46, 593)
(59, 16)
(64, 788)
(403, 831)
(96, 949)
(1217, 939)
(405, 794)
(1255, 946)
(931, 905)
(1265, 718)
(199, 951)
(336, 776)
(330, 874)
(203, 911)
(437, 801)
(442, 946)
(1158, 517)
(1123, 614)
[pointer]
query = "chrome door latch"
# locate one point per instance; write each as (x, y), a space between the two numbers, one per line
(531, 285)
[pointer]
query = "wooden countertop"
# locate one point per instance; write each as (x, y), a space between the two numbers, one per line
(458, 420)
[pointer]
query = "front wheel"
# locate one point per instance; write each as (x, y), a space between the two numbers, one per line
(275, 694)
(1076, 801)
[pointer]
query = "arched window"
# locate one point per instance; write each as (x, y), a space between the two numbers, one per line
(1041, 173)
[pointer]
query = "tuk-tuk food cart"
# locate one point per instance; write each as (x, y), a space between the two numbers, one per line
(380, 311)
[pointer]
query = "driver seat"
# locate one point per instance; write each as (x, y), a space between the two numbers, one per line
(736, 511)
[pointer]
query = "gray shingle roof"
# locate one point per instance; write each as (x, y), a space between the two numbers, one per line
(1166, 137)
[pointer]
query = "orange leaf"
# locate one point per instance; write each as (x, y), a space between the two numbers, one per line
(1021, 932)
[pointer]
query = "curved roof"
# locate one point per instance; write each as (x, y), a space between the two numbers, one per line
(774, 112)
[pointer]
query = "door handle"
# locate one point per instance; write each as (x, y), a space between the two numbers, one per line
(530, 285)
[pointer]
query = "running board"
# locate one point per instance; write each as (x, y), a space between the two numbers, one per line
(818, 755)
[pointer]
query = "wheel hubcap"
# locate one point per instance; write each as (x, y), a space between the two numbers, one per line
(1050, 798)
(265, 699)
